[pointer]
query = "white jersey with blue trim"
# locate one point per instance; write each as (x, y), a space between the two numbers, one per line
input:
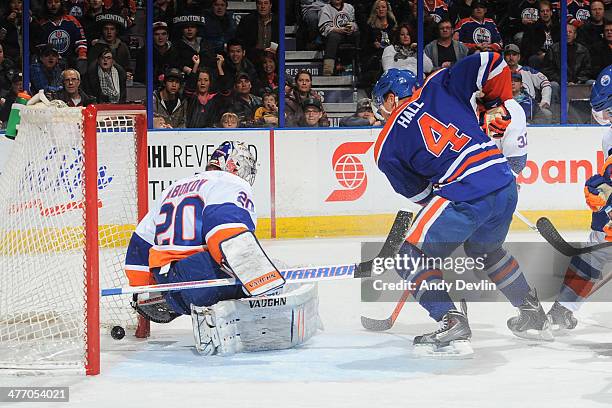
(192, 215)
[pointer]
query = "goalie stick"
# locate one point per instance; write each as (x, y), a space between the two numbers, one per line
(392, 244)
(554, 238)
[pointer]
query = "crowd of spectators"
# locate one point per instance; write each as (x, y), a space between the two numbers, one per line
(526, 32)
(209, 60)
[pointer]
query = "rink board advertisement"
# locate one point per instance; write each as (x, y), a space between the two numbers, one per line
(323, 182)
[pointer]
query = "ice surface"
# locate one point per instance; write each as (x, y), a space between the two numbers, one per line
(345, 366)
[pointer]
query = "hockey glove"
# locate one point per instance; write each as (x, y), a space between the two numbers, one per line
(597, 192)
(153, 307)
(494, 121)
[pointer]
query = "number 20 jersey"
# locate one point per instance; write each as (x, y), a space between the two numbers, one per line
(192, 215)
(433, 143)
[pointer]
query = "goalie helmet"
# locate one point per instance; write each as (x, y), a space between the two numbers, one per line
(236, 158)
(399, 81)
(601, 96)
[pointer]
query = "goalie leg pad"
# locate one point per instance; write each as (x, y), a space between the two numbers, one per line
(258, 323)
(248, 261)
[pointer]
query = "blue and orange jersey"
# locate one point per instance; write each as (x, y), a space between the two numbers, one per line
(437, 9)
(67, 37)
(433, 144)
(472, 32)
(194, 214)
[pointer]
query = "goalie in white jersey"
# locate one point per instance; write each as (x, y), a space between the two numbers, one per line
(585, 271)
(202, 228)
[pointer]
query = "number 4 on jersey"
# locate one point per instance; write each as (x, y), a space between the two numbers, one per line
(438, 136)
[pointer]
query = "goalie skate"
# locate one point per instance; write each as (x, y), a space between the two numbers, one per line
(531, 322)
(452, 340)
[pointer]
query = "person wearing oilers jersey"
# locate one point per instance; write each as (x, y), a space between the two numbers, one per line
(586, 270)
(202, 228)
(435, 153)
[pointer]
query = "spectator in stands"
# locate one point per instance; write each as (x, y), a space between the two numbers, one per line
(377, 35)
(293, 100)
(244, 103)
(437, 10)
(106, 80)
(268, 77)
(337, 25)
(110, 25)
(522, 14)
(258, 30)
(163, 10)
(591, 33)
(72, 94)
(190, 44)
(7, 101)
(190, 7)
(75, 8)
(46, 74)
(578, 62)
(519, 94)
(602, 52)
(200, 108)
(220, 26)
(460, 9)
(479, 33)
(532, 81)
(362, 117)
(445, 51)
(167, 102)
(313, 111)
(165, 56)
(267, 114)
(236, 62)
(11, 22)
(6, 73)
(92, 29)
(310, 10)
(403, 53)
(65, 33)
(539, 37)
(577, 12)
(229, 120)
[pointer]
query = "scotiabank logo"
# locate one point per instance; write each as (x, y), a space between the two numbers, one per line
(349, 171)
(560, 171)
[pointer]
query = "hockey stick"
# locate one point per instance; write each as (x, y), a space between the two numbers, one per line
(385, 324)
(392, 244)
(554, 238)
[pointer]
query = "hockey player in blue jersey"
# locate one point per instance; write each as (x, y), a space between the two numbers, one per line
(435, 153)
(202, 228)
(586, 270)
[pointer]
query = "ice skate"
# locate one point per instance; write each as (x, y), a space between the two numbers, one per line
(561, 318)
(531, 322)
(452, 340)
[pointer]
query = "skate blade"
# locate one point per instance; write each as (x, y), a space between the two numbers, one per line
(456, 350)
(538, 335)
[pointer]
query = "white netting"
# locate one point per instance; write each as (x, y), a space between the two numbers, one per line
(42, 255)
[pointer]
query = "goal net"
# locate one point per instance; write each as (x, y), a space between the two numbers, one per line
(71, 194)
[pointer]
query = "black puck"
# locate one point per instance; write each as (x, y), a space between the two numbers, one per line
(118, 333)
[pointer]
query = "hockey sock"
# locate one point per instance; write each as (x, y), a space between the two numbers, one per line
(580, 277)
(437, 302)
(509, 279)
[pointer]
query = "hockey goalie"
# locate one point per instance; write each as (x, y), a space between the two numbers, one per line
(202, 228)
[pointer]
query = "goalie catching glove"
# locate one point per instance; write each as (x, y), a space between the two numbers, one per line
(494, 121)
(152, 306)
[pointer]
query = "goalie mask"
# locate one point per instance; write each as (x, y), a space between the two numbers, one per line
(236, 158)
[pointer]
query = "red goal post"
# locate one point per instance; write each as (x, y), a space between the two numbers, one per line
(71, 194)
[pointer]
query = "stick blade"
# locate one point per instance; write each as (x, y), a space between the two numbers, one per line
(375, 324)
(550, 234)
